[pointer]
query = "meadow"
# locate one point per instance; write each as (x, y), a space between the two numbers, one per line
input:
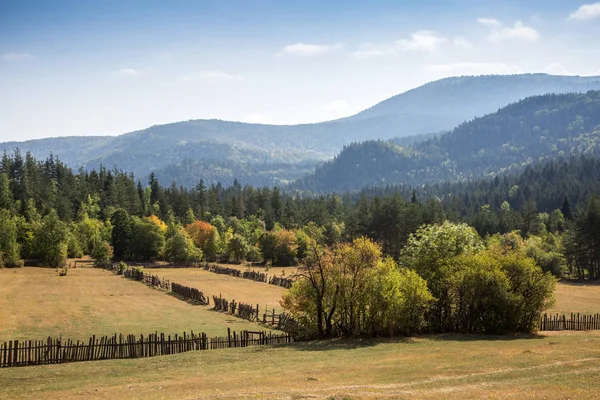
(550, 366)
(576, 297)
(37, 302)
(232, 288)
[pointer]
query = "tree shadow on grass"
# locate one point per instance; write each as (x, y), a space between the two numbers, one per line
(347, 344)
(473, 337)
(357, 343)
(579, 282)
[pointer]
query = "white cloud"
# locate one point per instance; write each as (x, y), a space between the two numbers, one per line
(423, 40)
(475, 68)
(17, 57)
(212, 76)
(127, 72)
(556, 69)
(586, 12)
(306, 49)
(336, 106)
(493, 22)
(518, 31)
(461, 42)
(254, 118)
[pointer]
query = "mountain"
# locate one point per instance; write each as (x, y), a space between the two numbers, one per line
(531, 130)
(274, 154)
(443, 104)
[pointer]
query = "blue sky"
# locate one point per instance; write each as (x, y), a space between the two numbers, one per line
(85, 67)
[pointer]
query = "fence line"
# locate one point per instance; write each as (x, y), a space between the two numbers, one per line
(185, 292)
(219, 269)
(283, 282)
(15, 353)
(576, 322)
(245, 311)
(190, 293)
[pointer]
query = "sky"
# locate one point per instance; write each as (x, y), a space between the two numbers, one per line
(107, 67)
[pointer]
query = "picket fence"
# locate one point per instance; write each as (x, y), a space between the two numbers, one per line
(15, 353)
(576, 322)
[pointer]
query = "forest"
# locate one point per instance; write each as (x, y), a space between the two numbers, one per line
(529, 132)
(427, 244)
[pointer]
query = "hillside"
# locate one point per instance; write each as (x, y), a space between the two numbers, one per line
(534, 129)
(273, 154)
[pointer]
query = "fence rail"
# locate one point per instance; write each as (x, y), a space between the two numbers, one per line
(576, 322)
(219, 269)
(15, 353)
(241, 310)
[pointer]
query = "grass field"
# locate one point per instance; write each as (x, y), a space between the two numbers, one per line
(278, 271)
(232, 288)
(577, 298)
(36, 303)
(555, 366)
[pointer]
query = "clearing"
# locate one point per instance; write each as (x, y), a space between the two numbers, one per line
(36, 303)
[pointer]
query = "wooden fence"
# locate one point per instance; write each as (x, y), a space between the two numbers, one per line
(190, 293)
(17, 353)
(149, 279)
(576, 322)
(246, 311)
(255, 276)
(283, 282)
(218, 269)
(215, 268)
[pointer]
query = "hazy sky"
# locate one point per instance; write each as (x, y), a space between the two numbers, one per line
(85, 67)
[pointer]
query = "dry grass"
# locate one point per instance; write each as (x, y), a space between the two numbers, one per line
(231, 288)
(278, 271)
(557, 366)
(36, 303)
(576, 298)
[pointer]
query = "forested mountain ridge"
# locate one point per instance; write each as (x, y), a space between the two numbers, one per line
(457, 99)
(274, 154)
(532, 130)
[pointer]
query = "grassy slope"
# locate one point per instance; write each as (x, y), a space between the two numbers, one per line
(576, 298)
(448, 367)
(231, 288)
(36, 303)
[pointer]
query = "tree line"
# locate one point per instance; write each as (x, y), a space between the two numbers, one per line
(50, 212)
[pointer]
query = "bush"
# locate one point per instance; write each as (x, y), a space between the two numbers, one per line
(491, 293)
(122, 268)
(10, 251)
(102, 253)
(237, 248)
(181, 248)
(74, 249)
(51, 241)
(351, 291)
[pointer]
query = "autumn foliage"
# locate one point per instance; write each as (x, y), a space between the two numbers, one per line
(200, 232)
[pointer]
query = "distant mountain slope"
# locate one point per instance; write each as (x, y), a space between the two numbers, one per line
(534, 129)
(443, 104)
(274, 154)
